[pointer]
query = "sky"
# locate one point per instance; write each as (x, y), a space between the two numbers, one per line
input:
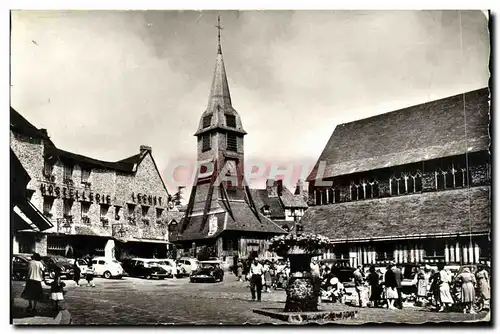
(105, 82)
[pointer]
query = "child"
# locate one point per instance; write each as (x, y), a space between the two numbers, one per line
(89, 275)
(56, 290)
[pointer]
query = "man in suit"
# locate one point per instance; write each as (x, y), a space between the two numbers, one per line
(398, 277)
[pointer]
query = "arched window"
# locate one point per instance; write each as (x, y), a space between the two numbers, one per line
(393, 186)
(369, 190)
(375, 190)
(449, 177)
(337, 195)
(417, 182)
(440, 180)
(331, 197)
(354, 192)
(361, 191)
(402, 185)
(411, 184)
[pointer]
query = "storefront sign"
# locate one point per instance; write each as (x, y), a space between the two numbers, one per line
(78, 195)
(146, 199)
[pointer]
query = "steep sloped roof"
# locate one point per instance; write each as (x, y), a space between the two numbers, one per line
(261, 198)
(442, 212)
(21, 125)
(290, 200)
(423, 132)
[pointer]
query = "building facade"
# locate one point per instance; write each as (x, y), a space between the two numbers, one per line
(221, 218)
(411, 186)
(281, 205)
(113, 209)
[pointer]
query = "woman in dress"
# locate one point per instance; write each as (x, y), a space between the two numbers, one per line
(77, 272)
(445, 298)
(239, 271)
(375, 290)
(391, 291)
(483, 283)
(33, 290)
(468, 294)
(267, 276)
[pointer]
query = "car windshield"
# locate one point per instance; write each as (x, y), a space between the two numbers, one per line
(207, 265)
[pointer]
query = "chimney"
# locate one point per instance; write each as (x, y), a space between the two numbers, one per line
(299, 187)
(279, 184)
(145, 148)
(44, 131)
(271, 188)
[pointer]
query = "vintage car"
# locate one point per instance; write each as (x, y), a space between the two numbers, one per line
(20, 266)
(170, 266)
(60, 264)
(147, 268)
(208, 271)
(186, 265)
(107, 268)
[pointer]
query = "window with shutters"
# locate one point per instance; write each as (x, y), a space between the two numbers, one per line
(48, 202)
(68, 172)
(207, 120)
(232, 142)
(85, 209)
(47, 168)
(85, 174)
(206, 142)
(67, 204)
(231, 121)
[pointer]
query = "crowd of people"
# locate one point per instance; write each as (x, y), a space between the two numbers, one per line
(440, 289)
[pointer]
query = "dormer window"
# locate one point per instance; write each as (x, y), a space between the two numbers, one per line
(231, 121)
(207, 120)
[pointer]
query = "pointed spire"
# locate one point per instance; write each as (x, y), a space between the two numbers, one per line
(219, 93)
(219, 28)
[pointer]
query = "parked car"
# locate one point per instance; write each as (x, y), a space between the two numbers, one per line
(139, 267)
(55, 263)
(20, 266)
(107, 268)
(170, 266)
(185, 266)
(210, 271)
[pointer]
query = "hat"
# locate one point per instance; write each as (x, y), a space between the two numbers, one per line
(334, 280)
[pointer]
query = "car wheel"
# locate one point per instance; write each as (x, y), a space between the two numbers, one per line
(148, 277)
(107, 275)
(161, 277)
(52, 274)
(191, 280)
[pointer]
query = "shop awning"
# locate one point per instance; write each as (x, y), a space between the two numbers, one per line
(28, 217)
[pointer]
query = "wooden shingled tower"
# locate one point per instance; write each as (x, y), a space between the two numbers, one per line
(216, 207)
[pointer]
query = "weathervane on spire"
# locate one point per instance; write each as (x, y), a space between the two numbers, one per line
(219, 28)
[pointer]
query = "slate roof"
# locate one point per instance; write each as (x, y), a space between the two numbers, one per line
(422, 132)
(261, 198)
(123, 166)
(291, 200)
(21, 125)
(442, 212)
(235, 214)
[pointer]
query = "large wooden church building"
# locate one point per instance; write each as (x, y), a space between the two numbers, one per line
(411, 186)
(222, 218)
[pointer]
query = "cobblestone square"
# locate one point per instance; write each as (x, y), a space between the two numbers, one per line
(133, 301)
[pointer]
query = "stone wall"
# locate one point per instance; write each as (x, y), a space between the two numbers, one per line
(106, 188)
